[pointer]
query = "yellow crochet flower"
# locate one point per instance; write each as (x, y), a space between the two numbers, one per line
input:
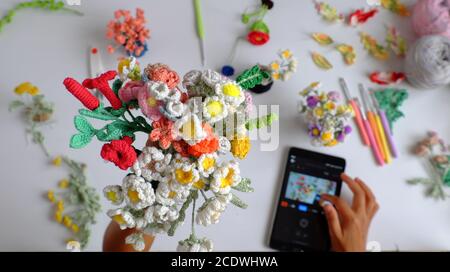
(60, 206)
(286, 54)
(63, 184)
(26, 87)
(275, 66)
(58, 216)
(276, 76)
(240, 146)
(184, 177)
(51, 196)
(327, 136)
(330, 106)
(75, 228)
(332, 143)
(318, 112)
(67, 221)
(57, 161)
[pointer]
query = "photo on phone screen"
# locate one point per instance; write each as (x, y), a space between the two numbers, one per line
(300, 223)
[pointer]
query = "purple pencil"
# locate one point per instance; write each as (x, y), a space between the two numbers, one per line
(385, 122)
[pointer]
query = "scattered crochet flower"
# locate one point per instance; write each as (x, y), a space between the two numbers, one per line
(120, 152)
(283, 68)
(28, 88)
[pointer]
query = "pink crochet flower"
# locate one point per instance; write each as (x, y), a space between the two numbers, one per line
(162, 132)
(162, 73)
(130, 90)
(149, 105)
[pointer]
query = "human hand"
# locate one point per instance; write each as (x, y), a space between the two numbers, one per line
(349, 225)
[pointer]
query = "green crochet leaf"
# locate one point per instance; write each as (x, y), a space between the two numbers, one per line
(15, 104)
(446, 178)
(244, 186)
(252, 77)
(261, 122)
(390, 101)
(80, 140)
(83, 125)
(236, 201)
(116, 86)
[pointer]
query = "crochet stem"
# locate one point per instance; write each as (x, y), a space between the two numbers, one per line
(193, 218)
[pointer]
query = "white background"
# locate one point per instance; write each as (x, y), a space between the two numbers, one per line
(44, 48)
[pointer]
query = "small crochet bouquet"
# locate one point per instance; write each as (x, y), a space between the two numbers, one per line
(190, 129)
(327, 121)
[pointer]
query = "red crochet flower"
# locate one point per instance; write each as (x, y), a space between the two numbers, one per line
(258, 37)
(162, 132)
(120, 152)
(181, 147)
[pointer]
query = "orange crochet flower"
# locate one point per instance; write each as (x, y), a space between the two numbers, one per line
(209, 145)
(162, 132)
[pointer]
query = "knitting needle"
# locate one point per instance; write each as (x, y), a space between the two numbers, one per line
(380, 129)
(373, 144)
(356, 110)
(200, 30)
(385, 122)
(372, 121)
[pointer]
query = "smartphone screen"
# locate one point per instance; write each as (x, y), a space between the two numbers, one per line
(300, 223)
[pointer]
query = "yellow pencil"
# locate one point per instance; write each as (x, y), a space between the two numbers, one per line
(383, 139)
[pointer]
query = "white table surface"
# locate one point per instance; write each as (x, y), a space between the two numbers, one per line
(44, 48)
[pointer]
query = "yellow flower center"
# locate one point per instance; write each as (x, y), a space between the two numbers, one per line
(275, 66)
(199, 185)
(316, 132)
(172, 194)
(208, 163)
(133, 196)
(228, 180)
(111, 196)
(184, 177)
(231, 90)
(119, 219)
(151, 101)
(276, 76)
(330, 106)
(327, 136)
(318, 112)
(214, 108)
(286, 54)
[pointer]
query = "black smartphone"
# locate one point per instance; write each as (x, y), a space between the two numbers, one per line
(300, 224)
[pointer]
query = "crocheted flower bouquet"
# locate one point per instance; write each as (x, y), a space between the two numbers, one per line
(189, 130)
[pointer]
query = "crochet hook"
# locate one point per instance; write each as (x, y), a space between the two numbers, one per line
(358, 119)
(373, 144)
(372, 121)
(200, 30)
(96, 67)
(387, 127)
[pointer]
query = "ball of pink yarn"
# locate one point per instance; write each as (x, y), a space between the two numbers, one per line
(431, 17)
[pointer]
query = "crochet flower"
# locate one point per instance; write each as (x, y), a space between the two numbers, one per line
(120, 152)
(171, 193)
(160, 214)
(158, 90)
(138, 193)
(28, 88)
(174, 109)
(162, 73)
(114, 194)
(207, 164)
(123, 218)
(231, 92)
(224, 145)
(151, 164)
(225, 177)
(129, 69)
(258, 37)
(212, 78)
(195, 245)
(162, 132)
(189, 128)
(131, 90)
(149, 105)
(211, 211)
(186, 174)
(240, 146)
(209, 145)
(136, 240)
(214, 109)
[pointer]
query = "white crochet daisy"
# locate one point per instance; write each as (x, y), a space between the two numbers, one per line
(207, 164)
(158, 90)
(231, 92)
(226, 176)
(152, 164)
(160, 214)
(211, 211)
(175, 108)
(189, 128)
(195, 245)
(123, 218)
(136, 240)
(114, 194)
(214, 109)
(211, 78)
(185, 174)
(138, 193)
(171, 193)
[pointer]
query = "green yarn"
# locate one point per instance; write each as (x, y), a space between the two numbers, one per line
(390, 100)
(261, 122)
(50, 5)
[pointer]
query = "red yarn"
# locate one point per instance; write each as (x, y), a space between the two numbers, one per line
(258, 37)
(101, 83)
(81, 93)
(120, 152)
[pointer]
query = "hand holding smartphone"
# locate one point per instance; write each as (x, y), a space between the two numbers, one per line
(300, 224)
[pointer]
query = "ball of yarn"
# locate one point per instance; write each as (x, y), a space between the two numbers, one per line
(427, 63)
(431, 17)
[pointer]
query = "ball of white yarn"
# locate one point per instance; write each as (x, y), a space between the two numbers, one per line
(427, 64)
